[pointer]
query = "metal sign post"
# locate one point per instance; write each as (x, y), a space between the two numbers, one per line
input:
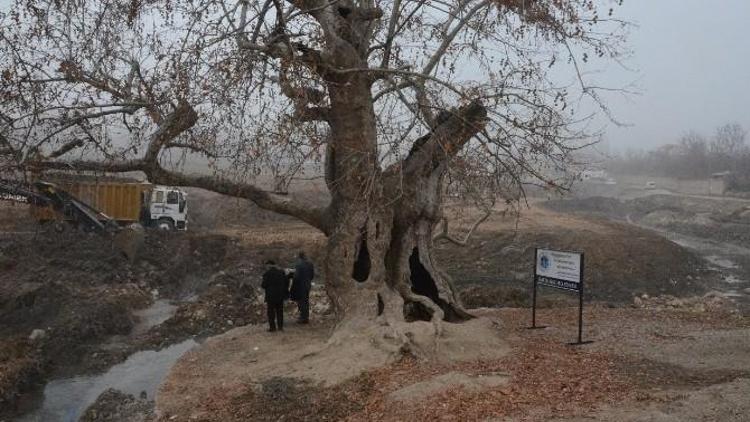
(580, 312)
(533, 296)
(560, 270)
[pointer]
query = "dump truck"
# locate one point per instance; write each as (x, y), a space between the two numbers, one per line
(108, 203)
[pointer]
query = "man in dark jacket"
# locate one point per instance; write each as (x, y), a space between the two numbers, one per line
(276, 285)
(304, 272)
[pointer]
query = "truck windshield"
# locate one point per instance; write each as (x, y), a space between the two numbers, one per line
(173, 197)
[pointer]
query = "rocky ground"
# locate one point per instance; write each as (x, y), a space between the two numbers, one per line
(116, 406)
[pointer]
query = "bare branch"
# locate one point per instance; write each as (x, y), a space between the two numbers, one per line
(445, 235)
(69, 146)
(192, 147)
(180, 120)
(282, 204)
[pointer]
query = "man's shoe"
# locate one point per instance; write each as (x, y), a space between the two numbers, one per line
(303, 321)
(271, 330)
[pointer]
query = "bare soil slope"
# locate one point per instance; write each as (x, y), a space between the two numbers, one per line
(495, 269)
(249, 360)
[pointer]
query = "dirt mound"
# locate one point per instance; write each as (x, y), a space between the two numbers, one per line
(20, 362)
(116, 406)
(251, 366)
(228, 302)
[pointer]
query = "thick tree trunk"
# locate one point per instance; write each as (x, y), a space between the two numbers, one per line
(382, 276)
(380, 269)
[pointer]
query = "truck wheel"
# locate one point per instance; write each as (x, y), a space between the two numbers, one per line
(165, 224)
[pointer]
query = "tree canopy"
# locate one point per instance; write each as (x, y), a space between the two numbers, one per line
(245, 86)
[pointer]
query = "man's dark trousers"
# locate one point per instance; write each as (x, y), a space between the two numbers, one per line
(303, 304)
(275, 315)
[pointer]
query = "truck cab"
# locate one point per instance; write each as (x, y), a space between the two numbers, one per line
(167, 207)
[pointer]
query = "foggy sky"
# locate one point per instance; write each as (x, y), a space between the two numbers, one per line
(690, 63)
(691, 60)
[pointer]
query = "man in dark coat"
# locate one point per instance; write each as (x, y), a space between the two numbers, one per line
(304, 272)
(276, 285)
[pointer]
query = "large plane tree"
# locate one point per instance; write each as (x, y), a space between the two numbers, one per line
(391, 99)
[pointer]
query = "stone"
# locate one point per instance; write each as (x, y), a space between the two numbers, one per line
(37, 334)
(677, 303)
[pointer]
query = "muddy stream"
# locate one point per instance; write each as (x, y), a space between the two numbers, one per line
(140, 374)
(732, 261)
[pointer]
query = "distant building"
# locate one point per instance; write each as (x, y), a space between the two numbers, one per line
(717, 184)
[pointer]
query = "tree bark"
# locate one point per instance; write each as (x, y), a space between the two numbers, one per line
(381, 272)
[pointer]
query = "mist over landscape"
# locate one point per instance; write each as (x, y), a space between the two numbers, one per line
(374, 210)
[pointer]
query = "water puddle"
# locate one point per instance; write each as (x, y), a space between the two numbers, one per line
(721, 262)
(160, 311)
(731, 279)
(66, 399)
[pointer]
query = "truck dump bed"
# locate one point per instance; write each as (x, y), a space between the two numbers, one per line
(118, 200)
